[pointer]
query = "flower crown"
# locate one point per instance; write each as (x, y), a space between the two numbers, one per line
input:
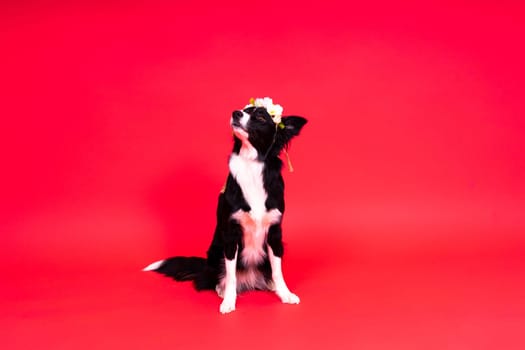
(275, 111)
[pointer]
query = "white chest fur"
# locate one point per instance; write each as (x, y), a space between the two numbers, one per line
(248, 173)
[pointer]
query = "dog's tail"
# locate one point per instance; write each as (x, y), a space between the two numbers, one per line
(182, 268)
(179, 268)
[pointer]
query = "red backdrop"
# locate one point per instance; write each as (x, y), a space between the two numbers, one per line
(405, 216)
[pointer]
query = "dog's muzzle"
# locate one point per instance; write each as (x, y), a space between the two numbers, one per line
(236, 120)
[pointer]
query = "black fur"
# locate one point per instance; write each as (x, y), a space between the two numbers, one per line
(269, 140)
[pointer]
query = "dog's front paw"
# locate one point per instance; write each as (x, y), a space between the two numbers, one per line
(289, 298)
(227, 305)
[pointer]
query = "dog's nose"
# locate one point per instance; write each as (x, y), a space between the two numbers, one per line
(237, 115)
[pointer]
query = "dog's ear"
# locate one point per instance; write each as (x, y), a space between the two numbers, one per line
(292, 126)
(289, 127)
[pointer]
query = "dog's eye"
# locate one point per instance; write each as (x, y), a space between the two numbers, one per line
(261, 118)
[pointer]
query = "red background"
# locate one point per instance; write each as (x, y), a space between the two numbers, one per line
(405, 216)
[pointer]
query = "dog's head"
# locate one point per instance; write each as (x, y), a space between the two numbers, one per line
(267, 133)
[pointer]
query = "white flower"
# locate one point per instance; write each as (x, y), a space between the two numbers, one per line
(276, 118)
(264, 102)
(276, 111)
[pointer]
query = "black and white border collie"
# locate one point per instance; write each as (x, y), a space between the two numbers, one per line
(246, 250)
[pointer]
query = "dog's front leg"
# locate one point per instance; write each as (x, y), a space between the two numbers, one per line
(229, 281)
(230, 285)
(275, 253)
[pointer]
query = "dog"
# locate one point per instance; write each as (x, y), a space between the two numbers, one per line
(247, 247)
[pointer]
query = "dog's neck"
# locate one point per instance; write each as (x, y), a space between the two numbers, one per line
(248, 152)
